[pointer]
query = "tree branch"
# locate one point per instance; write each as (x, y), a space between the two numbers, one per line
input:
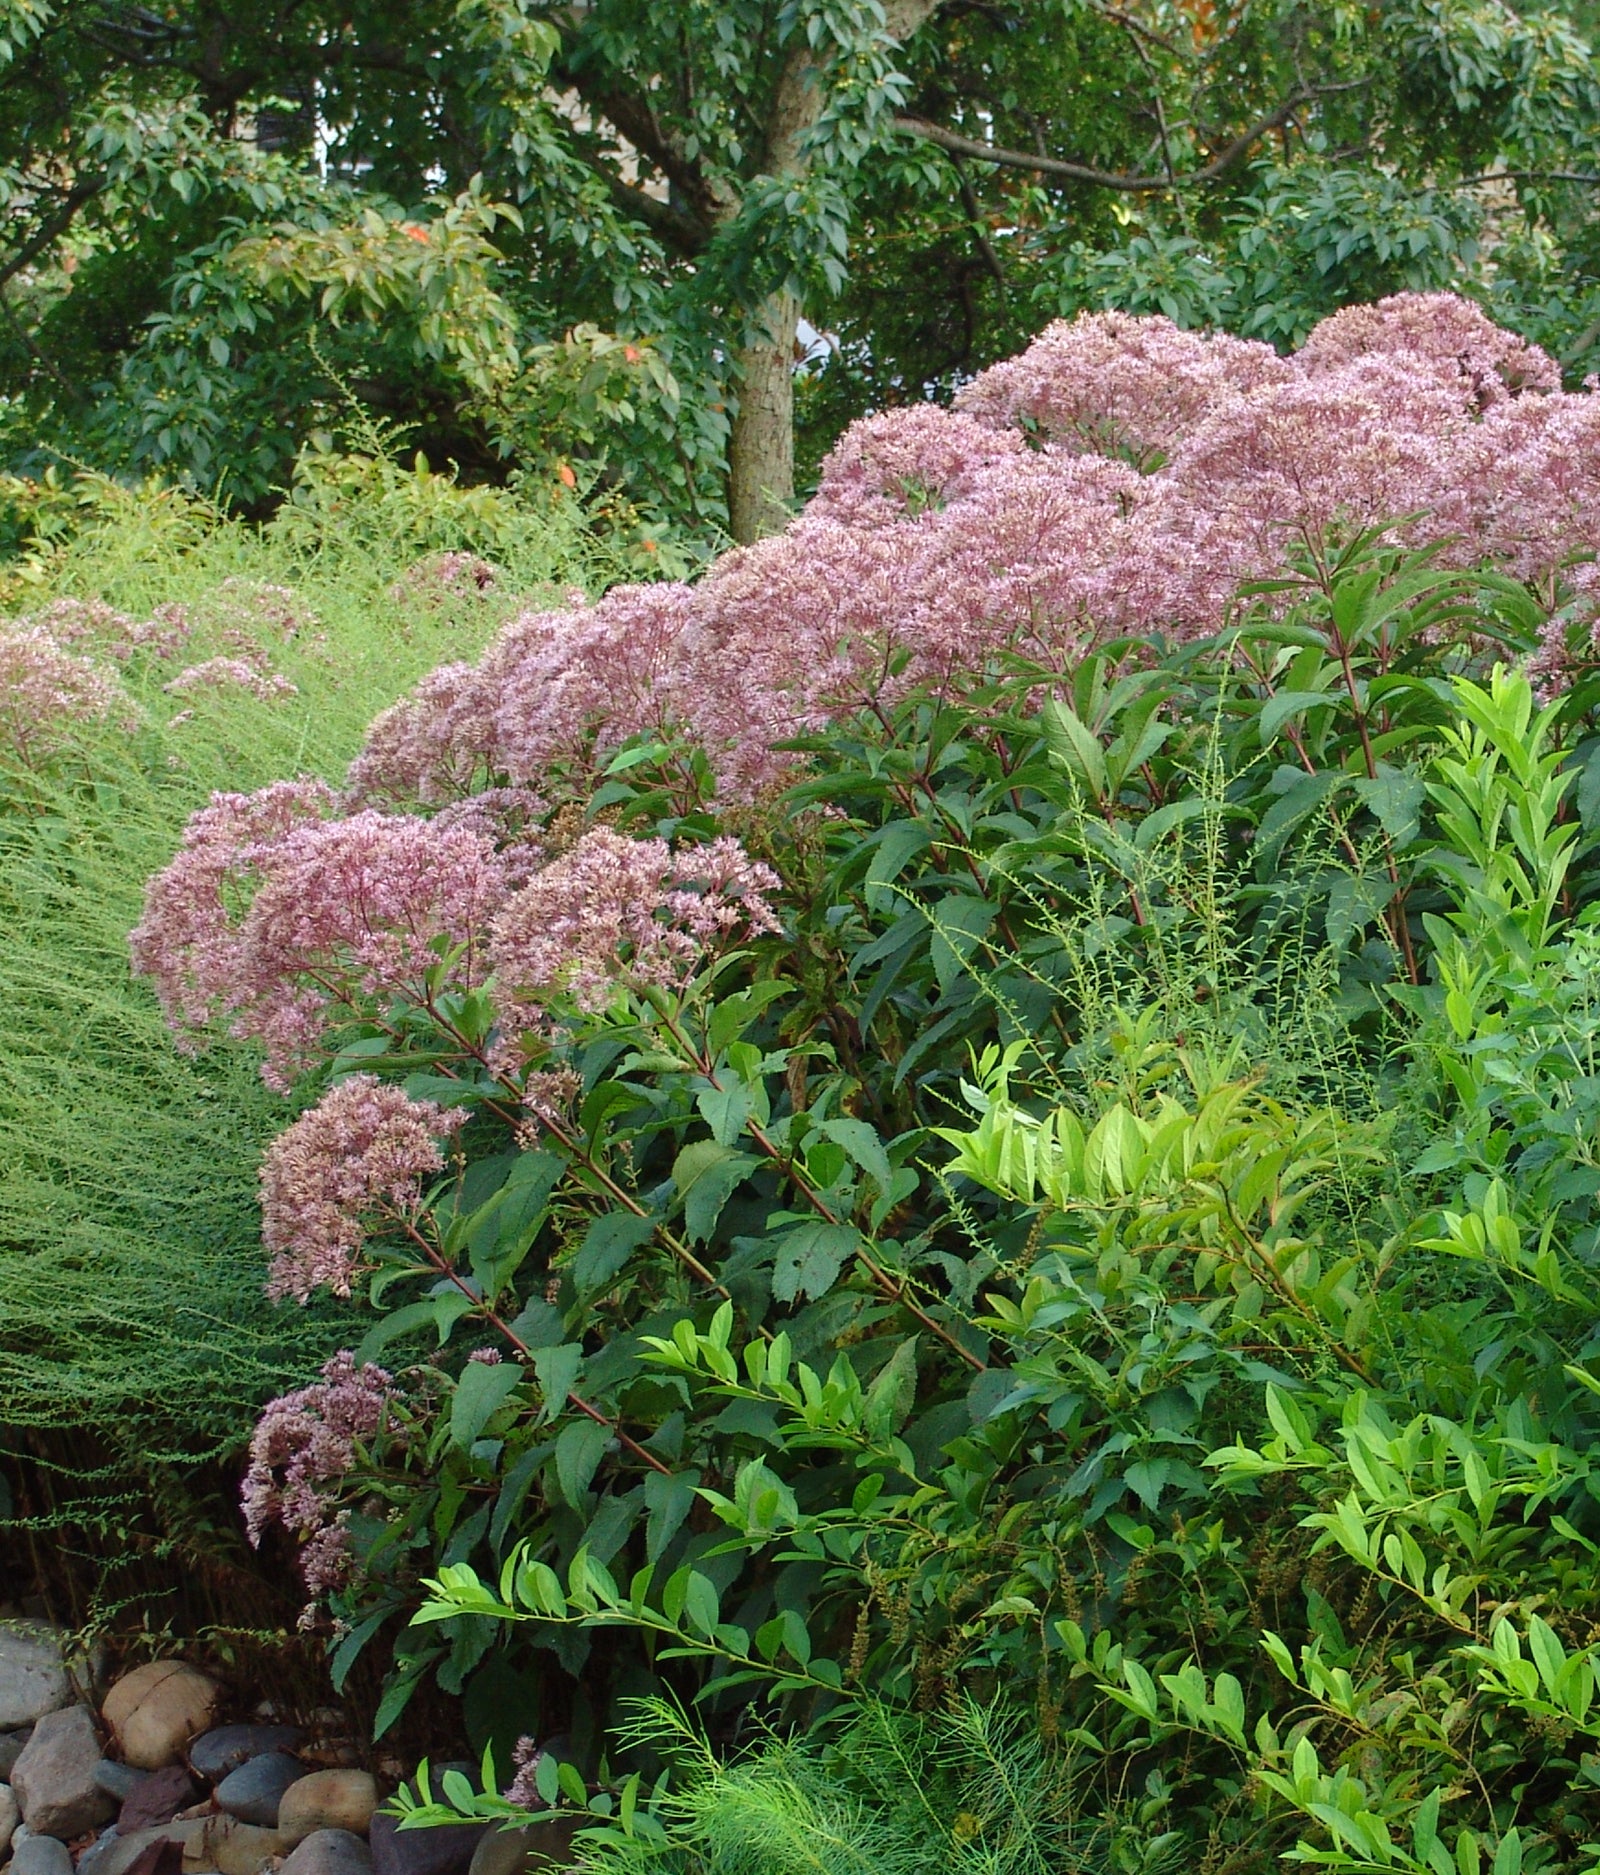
(680, 227)
(55, 225)
(959, 145)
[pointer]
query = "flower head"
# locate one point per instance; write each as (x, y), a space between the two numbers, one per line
(361, 1152)
(614, 910)
(1118, 384)
(49, 695)
(272, 916)
(304, 1445)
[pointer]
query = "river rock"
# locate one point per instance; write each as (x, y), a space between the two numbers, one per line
(328, 1800)
(11, 1744)
(156, 1709)
(157, 1798)
(329, 1852)
(253, 1791)
(10, 1817)
(532, 1846)
(118, 1781)
(215, 1753)
(54, 1782)
(90, 1859)
(234, 1848)
(444, 1851)
(115, 1854)
(42, 1855)
(33, 1672)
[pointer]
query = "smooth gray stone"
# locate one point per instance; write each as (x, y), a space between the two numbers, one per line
(223, 1749)
(95, 1855)
(253, 1792)
(11, 1748)
(118, 1780)
(41, 1855)
(329, 1852)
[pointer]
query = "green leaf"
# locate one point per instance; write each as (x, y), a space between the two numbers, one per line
(862, 1143)
(725, 1109)
(668, 1499)
(807, 1259)
(556, 1369)
(958, 926)
(579, 1450)
(483, 1388)
(1397, 802)
(706, 1174)
(607, 1245)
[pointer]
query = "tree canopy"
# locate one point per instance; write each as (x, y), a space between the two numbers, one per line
(581, 239)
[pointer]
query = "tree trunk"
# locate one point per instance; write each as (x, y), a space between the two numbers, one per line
(761, 447)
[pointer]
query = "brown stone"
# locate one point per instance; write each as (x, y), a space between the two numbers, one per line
(234, 1848)
(156, 1709)
(54, 1779)
(156, 1799)
(327, 1800)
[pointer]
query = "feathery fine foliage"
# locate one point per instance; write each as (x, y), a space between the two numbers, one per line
(172, 652)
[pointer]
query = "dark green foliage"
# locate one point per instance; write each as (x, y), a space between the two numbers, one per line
(530, 235)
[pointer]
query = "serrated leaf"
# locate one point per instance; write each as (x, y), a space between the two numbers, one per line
(580, 1447)
(483, 1388)
(807, 1259)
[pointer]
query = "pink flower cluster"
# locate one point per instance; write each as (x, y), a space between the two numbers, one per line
(443, 578)
(614, 910)
(304, 1445)
(49, 695)
(273, 915)
(1120, 478)
(362, 1151)
(277, 918)
(241, 674)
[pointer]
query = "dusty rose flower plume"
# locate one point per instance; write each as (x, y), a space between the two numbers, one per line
(48, 696)
(304, 1445)
(278, 920)
(615, 911)
(241, 674)
(356, 1160)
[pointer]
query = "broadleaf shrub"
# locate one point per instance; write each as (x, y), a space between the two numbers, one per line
(989, 1103)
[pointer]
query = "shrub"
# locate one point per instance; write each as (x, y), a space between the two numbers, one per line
(1087, 1235)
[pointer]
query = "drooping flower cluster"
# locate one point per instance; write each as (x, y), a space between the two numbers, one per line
(362, 1151)
(246, 612)
(1121, 477)
(612, 910)
(442, 578)
(524, 1786)
(304, 1444)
